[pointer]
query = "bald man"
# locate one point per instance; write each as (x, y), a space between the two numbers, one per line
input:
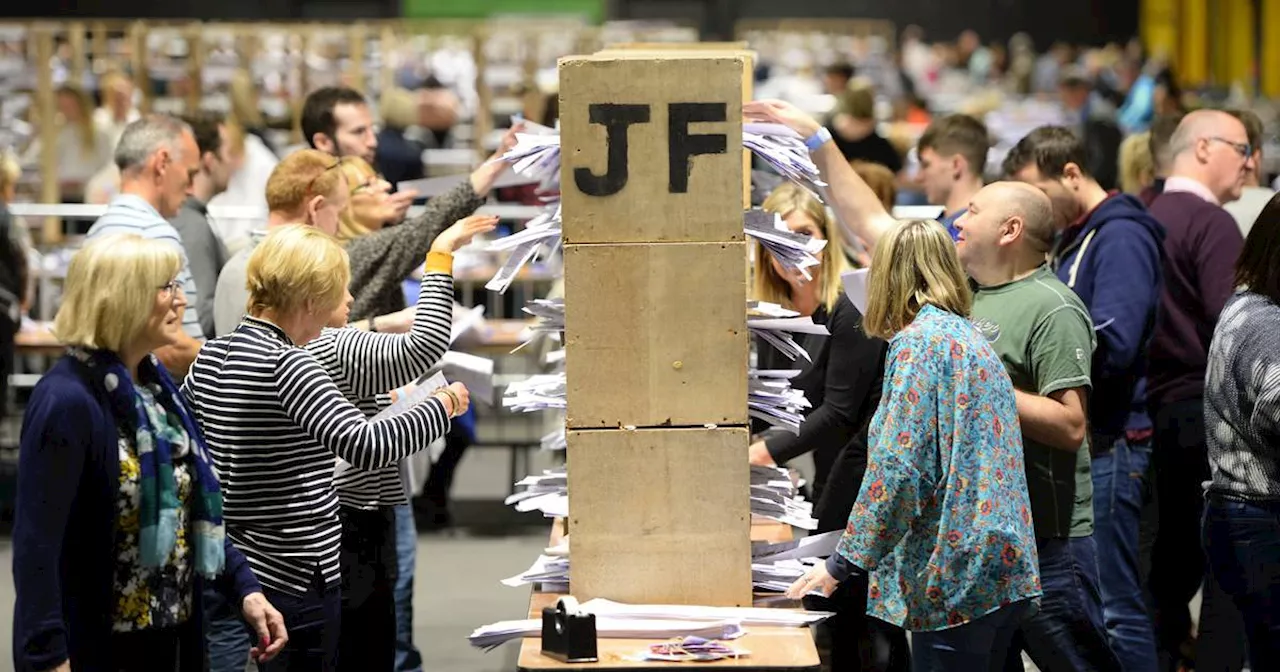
(1044, 336)
(1212, 157)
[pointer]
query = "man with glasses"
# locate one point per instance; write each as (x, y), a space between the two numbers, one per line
(158, 159)
(1212, 158)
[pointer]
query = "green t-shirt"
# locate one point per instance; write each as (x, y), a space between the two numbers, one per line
(1044, 336)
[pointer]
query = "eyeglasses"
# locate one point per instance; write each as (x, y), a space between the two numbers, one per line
(171, 288)
(1244, 149)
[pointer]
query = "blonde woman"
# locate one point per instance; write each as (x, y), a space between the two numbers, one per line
(81, 150)
(842, 381)
(1137, 168)
(942, 525)
(276, 418)
(119, 514)
(117, 109)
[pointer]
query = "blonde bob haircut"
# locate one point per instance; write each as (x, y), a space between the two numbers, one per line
(301, 176)
(784, 201)
(358, 172)
(914, 264)
(297, 268)
(110, 290)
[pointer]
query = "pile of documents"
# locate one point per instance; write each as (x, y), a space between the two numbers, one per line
(541, 232)
(784, 150)
(776, 566)
(549, 322)
(774, 325)
(792, 250)
(489, 637)
(771, 398)
(555, 441)
(537, 156)
(536, 393)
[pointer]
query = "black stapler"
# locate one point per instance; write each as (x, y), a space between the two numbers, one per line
(568, 635)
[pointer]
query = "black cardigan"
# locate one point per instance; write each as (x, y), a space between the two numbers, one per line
(843, 385)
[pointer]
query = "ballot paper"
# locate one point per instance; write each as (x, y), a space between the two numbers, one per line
(426, 386)
(771, 398)
(536, 156)
(520, 256)
(548, 323)
(764, 617)
(776, 331)
(544, 226)
(536, 393)
(474, 372)
(855, 287)
(784, 150)
(555, 441)
(792, 250)
(491, 636)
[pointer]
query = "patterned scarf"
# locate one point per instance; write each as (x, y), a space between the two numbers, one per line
(158, 509)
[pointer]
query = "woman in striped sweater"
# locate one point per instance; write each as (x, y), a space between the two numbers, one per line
(276, 413)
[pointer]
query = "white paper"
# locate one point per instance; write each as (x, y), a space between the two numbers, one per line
(474, 372)
(855, 287)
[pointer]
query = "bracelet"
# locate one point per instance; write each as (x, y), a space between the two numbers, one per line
(454, 400)
(822, 137)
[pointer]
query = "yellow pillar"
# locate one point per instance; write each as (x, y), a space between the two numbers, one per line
(1193, 43)
(1160, 27)
(1241, 45)
(1269, 60)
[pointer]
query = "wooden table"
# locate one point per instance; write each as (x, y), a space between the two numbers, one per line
(37, 341)
(772, 649)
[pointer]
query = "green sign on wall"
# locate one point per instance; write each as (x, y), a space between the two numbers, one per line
(483, 9)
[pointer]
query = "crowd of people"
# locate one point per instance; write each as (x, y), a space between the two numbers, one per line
(1015, 436)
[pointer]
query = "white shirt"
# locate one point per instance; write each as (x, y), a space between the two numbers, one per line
(1247, 208)
(1188, 185)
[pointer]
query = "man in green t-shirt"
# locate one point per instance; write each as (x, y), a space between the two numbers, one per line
(1044, 336)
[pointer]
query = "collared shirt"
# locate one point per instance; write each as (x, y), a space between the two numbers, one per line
(1190, 186)
(128, 213)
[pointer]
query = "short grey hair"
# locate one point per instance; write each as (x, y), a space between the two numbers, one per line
(145, 137)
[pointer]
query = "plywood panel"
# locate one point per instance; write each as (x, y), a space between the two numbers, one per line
(660, 516)
(655, 334)
(649, 148)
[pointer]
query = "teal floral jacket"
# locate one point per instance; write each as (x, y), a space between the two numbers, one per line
(942, 524)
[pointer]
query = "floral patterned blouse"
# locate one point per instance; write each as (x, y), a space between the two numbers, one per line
(942, 524)
(152, 597)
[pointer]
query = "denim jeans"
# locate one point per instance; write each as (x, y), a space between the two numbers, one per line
(1243, 544)
(1067, 634)
(407, 657)
(977, 646)
(225, 634)
(1119, 491)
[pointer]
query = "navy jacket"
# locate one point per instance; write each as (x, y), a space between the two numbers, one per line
(64, 528)
(1113, 263)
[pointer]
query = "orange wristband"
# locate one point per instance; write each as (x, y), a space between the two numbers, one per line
(439, 262)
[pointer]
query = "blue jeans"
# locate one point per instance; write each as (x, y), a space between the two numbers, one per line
(1067, 633)
(225, 634)
(977, 646)
(407, 657)
(1119, 493)
(1243, 544)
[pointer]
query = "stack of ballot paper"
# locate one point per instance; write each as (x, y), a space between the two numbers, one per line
(555, 441)
(491, 636)
(792, 250)
(776, 566)
(543, 230)
(536, 393)
(549, 322)
(784, 150)
(537, 156)
(770, 398)
(774, 325)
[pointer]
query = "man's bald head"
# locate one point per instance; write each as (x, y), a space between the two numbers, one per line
(1203, 125)
(1212, 147)
(1019, 199)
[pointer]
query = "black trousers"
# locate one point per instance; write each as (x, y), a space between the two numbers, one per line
(7, 331)
(367, 641)
(1178, 565)
(176, 649)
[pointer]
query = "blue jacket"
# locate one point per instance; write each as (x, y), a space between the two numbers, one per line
(1113, 263)
(64, 528)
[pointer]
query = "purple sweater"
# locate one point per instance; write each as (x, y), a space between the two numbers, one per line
(1201, 245)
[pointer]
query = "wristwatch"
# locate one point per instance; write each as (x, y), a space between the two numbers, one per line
(818, 139)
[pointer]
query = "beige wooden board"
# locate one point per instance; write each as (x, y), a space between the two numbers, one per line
(660, 516)
(647, 208)
(656, 334)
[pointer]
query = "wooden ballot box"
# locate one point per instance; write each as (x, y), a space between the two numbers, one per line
(655, 327)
